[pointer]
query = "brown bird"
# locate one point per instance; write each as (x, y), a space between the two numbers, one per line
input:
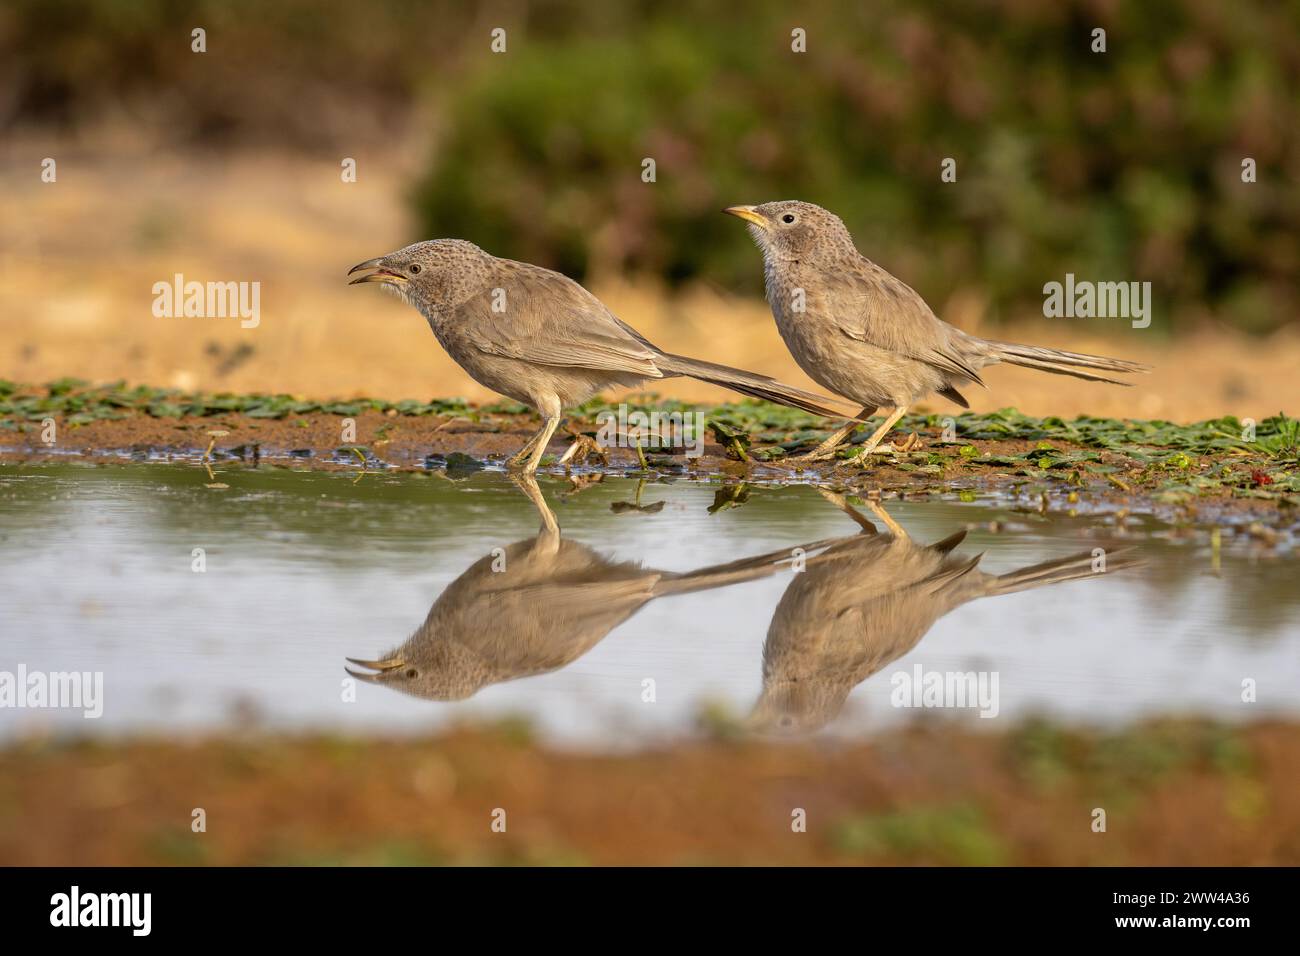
(860, 332)
(542, 339)
(533, 607)
(868, 599)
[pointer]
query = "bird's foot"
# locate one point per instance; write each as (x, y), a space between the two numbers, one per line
(863, 458)
(519, 461)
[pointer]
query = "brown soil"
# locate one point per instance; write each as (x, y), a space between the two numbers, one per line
(412, 443)
(915, 796)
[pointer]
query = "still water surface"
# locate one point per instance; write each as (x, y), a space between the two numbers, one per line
(605, 620)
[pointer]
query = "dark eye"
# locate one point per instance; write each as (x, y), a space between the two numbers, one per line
(412, 672)
(413, 269)
(788, 217)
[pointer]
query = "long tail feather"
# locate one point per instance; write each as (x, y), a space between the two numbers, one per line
(1061, 362)
(753, 385)
(734, 572)
(1062, 569)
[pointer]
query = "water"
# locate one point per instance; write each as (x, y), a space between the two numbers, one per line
(304, 570)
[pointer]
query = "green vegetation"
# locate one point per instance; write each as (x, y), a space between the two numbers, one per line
(955, 835)
(1045, 753)
(76, 402)
(1176, 462)
(1117, 166)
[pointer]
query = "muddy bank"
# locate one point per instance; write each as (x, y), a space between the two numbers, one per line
(1196, 472)
(1174, 794)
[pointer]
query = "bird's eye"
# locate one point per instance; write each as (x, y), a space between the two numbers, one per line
(413, 269)
(788, 217)
(411, 671)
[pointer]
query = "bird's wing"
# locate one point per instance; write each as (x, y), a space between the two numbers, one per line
(874, 307)
(545, 318)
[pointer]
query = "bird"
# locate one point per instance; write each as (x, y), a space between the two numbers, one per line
(533, 607)
(867, 599)
(539, 337)
(864, 334)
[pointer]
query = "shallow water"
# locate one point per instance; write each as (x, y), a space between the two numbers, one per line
(304, 570)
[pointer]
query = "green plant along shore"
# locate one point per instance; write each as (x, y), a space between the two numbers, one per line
(1173, 462)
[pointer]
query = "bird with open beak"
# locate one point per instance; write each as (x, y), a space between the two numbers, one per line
(534, 607)
(542, 339)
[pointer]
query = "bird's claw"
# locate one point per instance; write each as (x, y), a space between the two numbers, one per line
(863, 458)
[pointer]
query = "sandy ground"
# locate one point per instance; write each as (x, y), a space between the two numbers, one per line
(1173, 794)
(79, 257)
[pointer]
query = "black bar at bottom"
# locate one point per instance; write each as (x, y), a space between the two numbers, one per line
(210, 906)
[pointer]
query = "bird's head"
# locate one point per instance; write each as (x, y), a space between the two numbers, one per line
(431, 671)
(791, 707)
(789, 229)
(432, 276)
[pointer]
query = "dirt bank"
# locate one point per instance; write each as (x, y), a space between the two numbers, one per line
(1207, 471)
(1174, 793)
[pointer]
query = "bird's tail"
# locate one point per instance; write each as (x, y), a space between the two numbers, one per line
(1063, 363)
(735, 572)
(1086, 564)
(753, 385)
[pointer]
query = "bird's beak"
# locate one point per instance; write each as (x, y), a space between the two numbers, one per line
(381, 667)
(381, 275)
(749, 214)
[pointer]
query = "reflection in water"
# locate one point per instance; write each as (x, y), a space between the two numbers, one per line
(180, 652)
(533, 607)
(856, 604)
(867, 600)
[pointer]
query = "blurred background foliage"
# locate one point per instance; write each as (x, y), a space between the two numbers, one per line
(1122, 166)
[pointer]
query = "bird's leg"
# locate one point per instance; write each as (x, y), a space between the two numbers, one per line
(538, 445)
(826, 449)
(549, 535)
(521, 456)
(870, 446)
(841, 502)
(894, 527)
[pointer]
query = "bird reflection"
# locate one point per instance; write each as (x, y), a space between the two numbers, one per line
(533, 607)
(867, 600)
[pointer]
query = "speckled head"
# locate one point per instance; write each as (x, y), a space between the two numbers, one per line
(789, 707)
(432, 276)
(425, 667)
(789, 229)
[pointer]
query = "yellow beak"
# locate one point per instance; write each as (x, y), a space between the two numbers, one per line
(381, 275)
(749, 214)
(381, 668)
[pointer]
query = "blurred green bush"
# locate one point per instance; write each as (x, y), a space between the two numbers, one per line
(1116, 166)
(1122, 166)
